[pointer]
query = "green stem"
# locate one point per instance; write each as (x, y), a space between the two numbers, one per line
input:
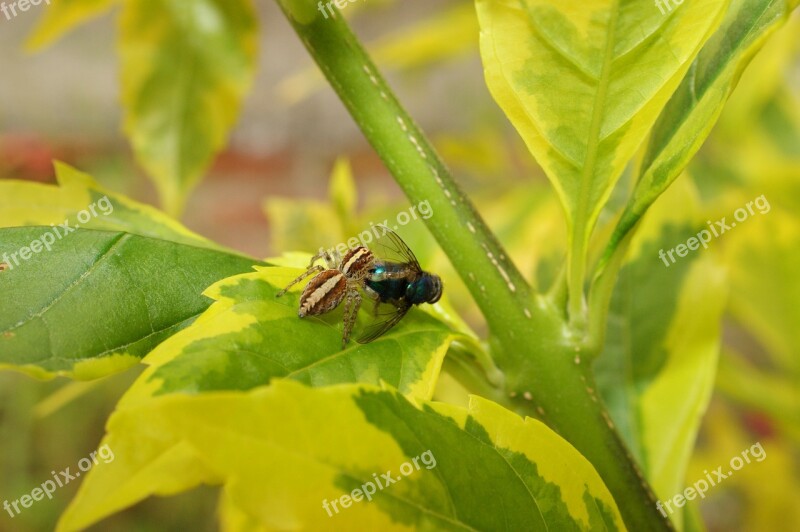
(471, 352)
(547, 370)
(576, 275)
(473, 379)
(602, 290)
(558, 292)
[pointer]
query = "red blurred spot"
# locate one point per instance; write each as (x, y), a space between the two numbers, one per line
(28, 157)
(759, 424)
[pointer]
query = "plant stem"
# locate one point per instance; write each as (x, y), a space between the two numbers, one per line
(602, 289)
(473, 379)
(547, 369)
(576, 274)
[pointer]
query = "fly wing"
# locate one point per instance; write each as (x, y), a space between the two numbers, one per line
(390, 247)
(382, 322)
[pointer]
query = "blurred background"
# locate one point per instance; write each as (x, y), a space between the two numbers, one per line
(268, 191)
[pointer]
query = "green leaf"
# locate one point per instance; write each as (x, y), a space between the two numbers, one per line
(773, 392)
(186, 67)
(282, 451)
(761, 81)
(765, 291)
(104, 295)
(232, 519)
(248, 337)
(343, 195)
(695, 107)
(23, 203)
(61, 16)
(659, 363)
(98, 301)
(583, 83)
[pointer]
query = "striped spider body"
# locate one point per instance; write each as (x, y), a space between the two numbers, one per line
(340, 281)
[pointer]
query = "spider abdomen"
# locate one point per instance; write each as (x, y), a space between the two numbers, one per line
(323, 293)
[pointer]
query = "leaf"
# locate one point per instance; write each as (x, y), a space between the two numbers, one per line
(760, 82)
(657, 370)
(773, 393)
(107, 291)
(98, 301)
(232, 519)
(62, 16)
(765, 291)
(249, 337)
(528, 221)
(300, 224)
(695, 107)
(584, 82)
(343, 195)
(186, 67)
(24, 203)
(283, 451)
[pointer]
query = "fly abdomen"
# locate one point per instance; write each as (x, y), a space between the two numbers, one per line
(357, 263)
(323, 293)
(389, 289)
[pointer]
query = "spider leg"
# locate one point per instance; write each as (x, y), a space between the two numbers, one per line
(331, 258)
(310, 271)
(325, 255)
(351, 306)
(376, 299)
